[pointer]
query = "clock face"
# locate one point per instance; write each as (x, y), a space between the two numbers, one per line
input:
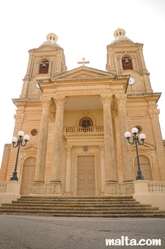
(132, 80)
(37, 86)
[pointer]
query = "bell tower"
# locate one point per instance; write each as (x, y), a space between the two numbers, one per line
(124, 57)
(45, 62)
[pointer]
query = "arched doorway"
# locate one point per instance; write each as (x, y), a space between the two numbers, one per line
(28, 175)
(145, 167)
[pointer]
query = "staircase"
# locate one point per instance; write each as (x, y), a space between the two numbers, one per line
(80, 207)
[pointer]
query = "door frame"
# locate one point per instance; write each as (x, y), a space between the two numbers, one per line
(75, 171)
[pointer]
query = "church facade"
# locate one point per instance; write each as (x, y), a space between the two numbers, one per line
(76, 120)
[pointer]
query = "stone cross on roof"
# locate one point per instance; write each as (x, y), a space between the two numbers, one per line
(83, 62)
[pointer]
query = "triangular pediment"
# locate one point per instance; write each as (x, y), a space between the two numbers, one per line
(84, 72)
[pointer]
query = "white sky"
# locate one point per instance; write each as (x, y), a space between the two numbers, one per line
(84, 29)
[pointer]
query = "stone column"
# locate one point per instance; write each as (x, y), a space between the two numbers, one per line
(110, 166)
(102, 168)
(60, 101)
(68, 168)
(42, 142)
(126, 150)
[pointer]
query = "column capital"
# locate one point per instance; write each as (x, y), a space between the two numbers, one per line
(101, 146)
(69, 147)
(154, 113)
(60, 99)
(106, 98)
(46, 101)
(121, 98)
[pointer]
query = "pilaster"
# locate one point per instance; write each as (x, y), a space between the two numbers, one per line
(68, 169)
(154, 114)
(102, 168)
(42, 143)
(143, 66)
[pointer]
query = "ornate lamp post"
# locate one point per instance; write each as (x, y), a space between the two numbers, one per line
(136, 140)
(21, 141)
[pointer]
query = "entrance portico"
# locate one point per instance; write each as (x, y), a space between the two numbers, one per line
(84, 118)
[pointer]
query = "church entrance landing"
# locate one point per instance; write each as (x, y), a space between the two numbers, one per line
(85, 175)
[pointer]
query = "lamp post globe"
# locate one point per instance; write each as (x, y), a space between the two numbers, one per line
(17, 143)
(137, 140)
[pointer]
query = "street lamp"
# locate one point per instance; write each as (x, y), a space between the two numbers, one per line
(136, 141)
(17, 143)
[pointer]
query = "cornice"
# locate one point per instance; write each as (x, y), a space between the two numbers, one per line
(26, 102)
(144, 95)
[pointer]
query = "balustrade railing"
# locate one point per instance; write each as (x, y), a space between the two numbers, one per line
(156, 187)
(80, 129)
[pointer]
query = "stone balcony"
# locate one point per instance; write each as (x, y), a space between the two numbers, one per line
(84, 131)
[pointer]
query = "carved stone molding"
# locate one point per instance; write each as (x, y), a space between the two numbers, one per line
(46, 101)
(60, 100)
(121, 99)
(106, 98)
(19, 117)
(154, 113)
(101, 147)
(69, 148)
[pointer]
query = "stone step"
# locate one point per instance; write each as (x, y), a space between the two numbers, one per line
(78, 208)
(81, 207)
(75, 197)
(87, 204)
(141, 215)
(82, 211)
(76, 200)
(116, 215)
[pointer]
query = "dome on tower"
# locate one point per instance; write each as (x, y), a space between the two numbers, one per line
(51, 40)
(119, 35)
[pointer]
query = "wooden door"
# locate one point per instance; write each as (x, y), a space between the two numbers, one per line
(85, 175)
(28, 175)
